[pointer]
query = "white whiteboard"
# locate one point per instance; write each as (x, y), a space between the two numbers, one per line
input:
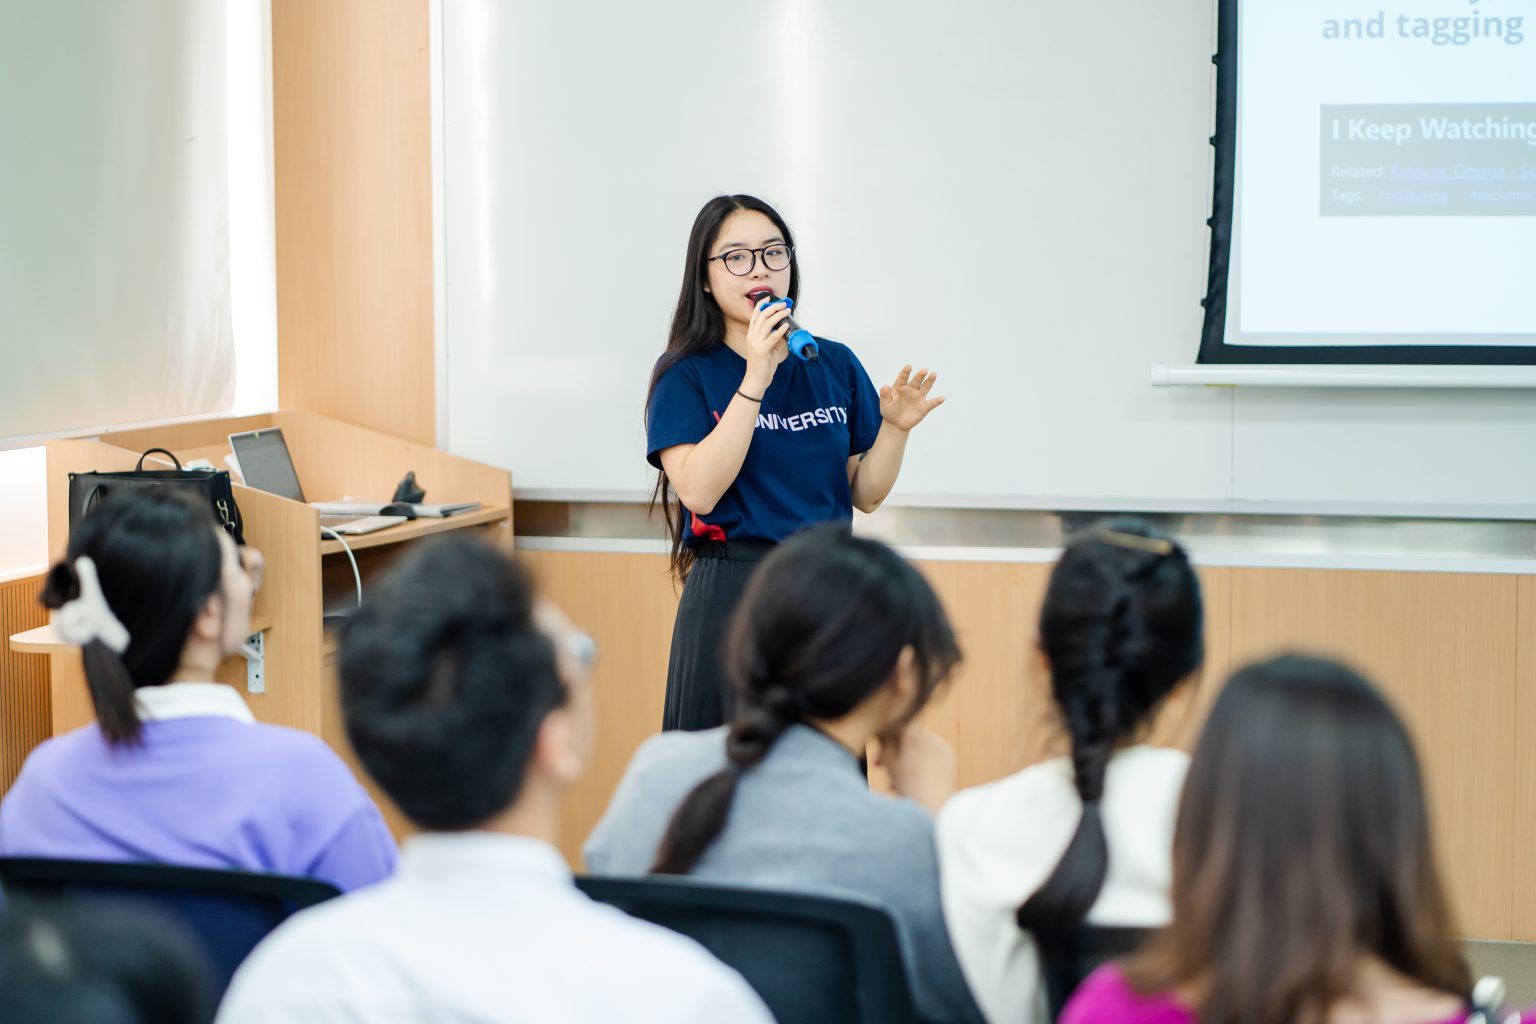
(1013, 193)
(115, 227)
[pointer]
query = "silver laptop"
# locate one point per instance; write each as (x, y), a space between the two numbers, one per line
(266, 465)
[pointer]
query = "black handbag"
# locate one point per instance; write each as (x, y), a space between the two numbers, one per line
(87, 490)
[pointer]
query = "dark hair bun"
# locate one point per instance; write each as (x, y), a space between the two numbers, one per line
(61, 585)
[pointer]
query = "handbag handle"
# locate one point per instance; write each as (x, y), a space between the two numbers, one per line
(150, 451)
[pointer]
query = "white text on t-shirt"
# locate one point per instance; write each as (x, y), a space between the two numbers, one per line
(804, 420)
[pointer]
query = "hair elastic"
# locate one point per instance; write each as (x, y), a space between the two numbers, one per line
(1154, 545)
(88, 617)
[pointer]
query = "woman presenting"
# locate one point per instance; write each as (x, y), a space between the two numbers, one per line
(753, 445)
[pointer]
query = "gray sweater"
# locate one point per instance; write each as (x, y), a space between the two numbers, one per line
(803, 819)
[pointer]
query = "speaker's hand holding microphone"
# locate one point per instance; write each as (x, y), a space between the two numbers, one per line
(766, 347)
(799, 340)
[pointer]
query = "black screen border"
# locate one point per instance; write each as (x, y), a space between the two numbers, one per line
(1213, 348)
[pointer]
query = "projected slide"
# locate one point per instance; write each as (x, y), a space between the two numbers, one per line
(1449, 159)
(1385, 181)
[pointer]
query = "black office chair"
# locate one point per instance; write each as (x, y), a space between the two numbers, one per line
(1067, 958)
(810, 958)
(228, 912)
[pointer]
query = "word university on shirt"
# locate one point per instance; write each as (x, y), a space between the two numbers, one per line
(804, 420)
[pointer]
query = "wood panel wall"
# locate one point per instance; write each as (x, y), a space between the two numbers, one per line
(1454, 653)
(1522, 897)
(627, 604)
(1444, 647)
(352, 130)
(26, 715)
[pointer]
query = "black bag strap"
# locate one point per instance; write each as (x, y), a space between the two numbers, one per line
(91, 500)
(150, 451)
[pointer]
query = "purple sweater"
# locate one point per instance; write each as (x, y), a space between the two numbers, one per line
(1107, 998)
(205, 791)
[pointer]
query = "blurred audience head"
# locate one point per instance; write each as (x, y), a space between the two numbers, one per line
(80, 961)
(149, 585)
(461, 691)
(1302, 853)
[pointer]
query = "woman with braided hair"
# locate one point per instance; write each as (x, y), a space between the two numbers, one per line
(837, 642)
(1085, 838)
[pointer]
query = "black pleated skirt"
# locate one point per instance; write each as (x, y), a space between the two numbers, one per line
(698, 693)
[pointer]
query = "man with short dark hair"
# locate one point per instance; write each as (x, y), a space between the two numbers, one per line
(468, 700)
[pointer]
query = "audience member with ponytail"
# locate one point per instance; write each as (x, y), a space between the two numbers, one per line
(1084, 838)
(837, 642)
(175, 768)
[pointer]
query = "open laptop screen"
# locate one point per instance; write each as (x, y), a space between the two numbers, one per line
(265, 462)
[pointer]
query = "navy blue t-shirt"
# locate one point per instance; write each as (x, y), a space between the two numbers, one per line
(812, 418)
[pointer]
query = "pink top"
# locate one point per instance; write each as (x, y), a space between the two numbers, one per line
(1106, 998)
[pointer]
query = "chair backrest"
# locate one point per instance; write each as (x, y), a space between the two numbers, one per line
(810, 958)
(229, 912)
(1067, 958)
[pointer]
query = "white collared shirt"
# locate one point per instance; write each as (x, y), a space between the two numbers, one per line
(998, 843)
(190, 700)
(482, 927)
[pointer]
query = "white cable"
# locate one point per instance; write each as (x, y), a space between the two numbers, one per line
(357, 576)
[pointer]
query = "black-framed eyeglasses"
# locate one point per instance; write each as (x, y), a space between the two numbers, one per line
(741, 262)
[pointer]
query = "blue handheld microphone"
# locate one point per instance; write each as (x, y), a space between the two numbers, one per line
(800, 341)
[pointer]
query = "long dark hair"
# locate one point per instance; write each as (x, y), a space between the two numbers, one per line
(1121, 626)
(1302, 846)
(820, 629)
(698, 326)
(157, 557)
